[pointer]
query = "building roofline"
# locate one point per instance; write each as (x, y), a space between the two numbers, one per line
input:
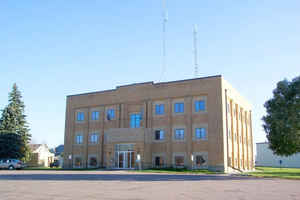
(143, 83)
(262, 142)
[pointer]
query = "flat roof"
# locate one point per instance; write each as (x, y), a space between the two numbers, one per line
(143, 83)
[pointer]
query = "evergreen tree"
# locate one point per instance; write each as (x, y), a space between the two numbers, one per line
(13, 120)
(10, 146)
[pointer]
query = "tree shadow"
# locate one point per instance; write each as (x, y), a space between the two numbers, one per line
(120, 177)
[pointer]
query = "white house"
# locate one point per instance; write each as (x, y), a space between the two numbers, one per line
(266, 157)
(40, 155)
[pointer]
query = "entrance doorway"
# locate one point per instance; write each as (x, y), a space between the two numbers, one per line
(124, 159)
(124, 156)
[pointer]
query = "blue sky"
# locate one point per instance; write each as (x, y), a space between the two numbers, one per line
(55, 48)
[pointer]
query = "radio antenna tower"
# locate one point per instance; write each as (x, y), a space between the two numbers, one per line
(195, 51)
(165, 19)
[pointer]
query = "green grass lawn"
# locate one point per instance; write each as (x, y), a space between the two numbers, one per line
(272, 172)
(178, 171)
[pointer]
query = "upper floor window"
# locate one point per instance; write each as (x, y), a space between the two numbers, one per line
(135, 120)
(200, 133)
(110, 114)
(179, 134)
(79, 139)
(80, 116)
(95, 115)
(159, 135)
(159, 109)
(200, 105)
(179, 107)
(94, 137)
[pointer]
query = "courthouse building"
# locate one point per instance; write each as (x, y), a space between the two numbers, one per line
(200, 123)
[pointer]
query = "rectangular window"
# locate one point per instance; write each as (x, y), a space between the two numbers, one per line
(94, 137)
(110, 114)
(179, 107)
(159, 109)
(200, 105)
(179, 134)
(200, 160)
(95, 115)
(78, 162)
(159, 135)
(80, 116)
(159, 161)
(135, 120)
(179, 161)
(200, 133)
(79, 139)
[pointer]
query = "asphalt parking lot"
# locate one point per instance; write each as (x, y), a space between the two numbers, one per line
(122, 185)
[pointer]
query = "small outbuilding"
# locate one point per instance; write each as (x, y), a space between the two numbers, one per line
(266, 157)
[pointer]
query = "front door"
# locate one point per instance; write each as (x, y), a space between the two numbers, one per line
(125, 159)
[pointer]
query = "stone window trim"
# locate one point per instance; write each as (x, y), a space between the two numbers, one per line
(92, 133)
(166, 108)
(99, 114)
(173, 133)
(76, 116)
(173, 106)
(89, 160)
(138, 119)
(75, 157)
(174, 155)
(199, 98)
(162, 155)
(205, 156)
(106, 110)
(164, 129)
(200, 126)
(75, 138)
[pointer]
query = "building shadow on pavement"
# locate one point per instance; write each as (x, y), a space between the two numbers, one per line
(120, 177)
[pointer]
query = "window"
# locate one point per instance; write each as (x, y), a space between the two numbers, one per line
(179, 107)
(94, 137)
(159, 161)
(80, 116)
(78, 162)
(79, 139)
(135, 120)
(110, 114)
(93, 162)
(159, 109)
(179, 161)
(95, 115)
(199, 105)
(200, 133)
(179, 134)
(200, 160)
(159, 135)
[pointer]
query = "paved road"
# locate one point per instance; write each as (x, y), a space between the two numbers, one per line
(123, 185)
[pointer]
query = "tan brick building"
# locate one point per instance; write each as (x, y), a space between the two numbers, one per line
(195, 123)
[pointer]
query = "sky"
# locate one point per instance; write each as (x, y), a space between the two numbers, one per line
(55, 48)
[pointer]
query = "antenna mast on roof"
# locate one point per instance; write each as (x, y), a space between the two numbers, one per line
(195, 51)
(165, 19)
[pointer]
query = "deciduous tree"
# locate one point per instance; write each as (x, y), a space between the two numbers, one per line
(282, 122)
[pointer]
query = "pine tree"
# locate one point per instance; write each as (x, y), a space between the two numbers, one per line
(13, 120)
